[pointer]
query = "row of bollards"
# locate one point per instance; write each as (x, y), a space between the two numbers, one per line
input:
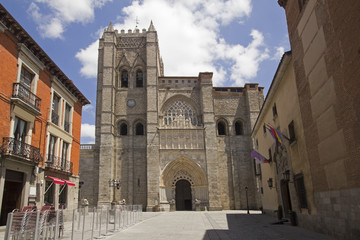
(103, 221)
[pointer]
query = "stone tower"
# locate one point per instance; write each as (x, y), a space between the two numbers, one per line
(169, 142)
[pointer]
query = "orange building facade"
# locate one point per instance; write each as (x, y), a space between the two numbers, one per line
(40, 124)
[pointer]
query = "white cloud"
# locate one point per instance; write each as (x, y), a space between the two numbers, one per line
(61, 13)
(87, 130)
(190, 41)
(88, 57)
(279, 51)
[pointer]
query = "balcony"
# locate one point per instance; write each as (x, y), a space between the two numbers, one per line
(59, 164)
(13, 147)
(24, 97)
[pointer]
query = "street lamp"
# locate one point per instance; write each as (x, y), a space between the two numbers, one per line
(247, 200)
(286, 175)
(115, 184)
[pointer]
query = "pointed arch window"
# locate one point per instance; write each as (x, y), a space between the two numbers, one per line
(221, 128)
(139, 79)
(239, 129)
(124, 79)
(123, 129)
(139, 129)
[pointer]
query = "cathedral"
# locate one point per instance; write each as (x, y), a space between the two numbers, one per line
(167, 142)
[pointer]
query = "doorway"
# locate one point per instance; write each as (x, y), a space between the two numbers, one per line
(183, 197)
(12, 194)
(285, 194)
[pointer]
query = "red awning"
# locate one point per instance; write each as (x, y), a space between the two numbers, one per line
(57, 180)
(70, 183)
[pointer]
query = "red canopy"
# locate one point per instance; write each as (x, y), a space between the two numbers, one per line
(70, 183)
(57, 180)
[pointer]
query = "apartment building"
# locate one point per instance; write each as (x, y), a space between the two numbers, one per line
(40, 124)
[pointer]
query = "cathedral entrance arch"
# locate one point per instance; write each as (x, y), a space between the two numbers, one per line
(183, 182)
(183, 197)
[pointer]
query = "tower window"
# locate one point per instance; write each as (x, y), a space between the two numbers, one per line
(139, 129)
(221, 128)
(124, 79)
(139, 79)
(239, 128)
(123, 129)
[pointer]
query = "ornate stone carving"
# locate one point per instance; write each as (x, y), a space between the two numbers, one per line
(131, 42)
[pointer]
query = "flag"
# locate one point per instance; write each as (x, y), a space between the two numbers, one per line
(258, 157)
(276, 135)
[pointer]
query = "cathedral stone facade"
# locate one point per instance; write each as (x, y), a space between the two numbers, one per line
(171, 143)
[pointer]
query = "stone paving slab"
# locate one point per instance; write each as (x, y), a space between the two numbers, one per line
(224, 225)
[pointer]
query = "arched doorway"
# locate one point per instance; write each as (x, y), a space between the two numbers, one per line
(183, 195)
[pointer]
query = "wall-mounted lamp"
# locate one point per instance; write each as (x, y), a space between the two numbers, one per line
(81, 183)
(286, 175)
(270, 183)
(114, 183)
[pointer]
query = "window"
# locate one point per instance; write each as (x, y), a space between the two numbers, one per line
(274, 111)
(300, 190)
(239, 128)
(64, 155)
(49, 193)
(20, 128)
(139, 129)
(139, 79)
(67, 118)
(124, 79)
(292, 136)
(123, 129)
(180, 109)
(55, 109)
(26, 77)
(51, 149)
(270, 155)
(221, 128)
(63, 196)
(257, 168)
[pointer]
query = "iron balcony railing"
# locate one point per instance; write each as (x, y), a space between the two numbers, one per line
(23, 93)
(59, 163)
(11, 146)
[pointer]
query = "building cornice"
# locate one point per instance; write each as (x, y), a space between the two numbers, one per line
(24, 39)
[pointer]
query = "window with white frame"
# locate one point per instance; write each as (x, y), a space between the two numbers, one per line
(67, 118)
(64, 155)
(51, 149)
(55, 109)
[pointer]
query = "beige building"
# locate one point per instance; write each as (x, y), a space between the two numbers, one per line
(169, 142)
(324, 38)
(281, 110)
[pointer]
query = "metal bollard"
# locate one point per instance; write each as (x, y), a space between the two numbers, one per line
(83, 228)
(93, 222)
(73, 224)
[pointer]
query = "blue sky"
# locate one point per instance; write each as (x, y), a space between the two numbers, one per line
(239, 40)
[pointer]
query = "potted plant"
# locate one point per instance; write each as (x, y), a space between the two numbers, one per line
(280, 212)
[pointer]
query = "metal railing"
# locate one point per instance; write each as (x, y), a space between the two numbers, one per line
(25, 94)
(103, 221)
(32, 224)
(11, 146)
(59, 163)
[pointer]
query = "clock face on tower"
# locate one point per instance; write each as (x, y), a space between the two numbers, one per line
(131, 103)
